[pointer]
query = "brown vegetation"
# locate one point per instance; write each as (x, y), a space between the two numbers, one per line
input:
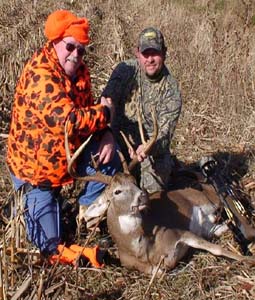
(211, 51)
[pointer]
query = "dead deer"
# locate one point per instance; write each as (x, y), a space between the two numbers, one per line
(154, 232)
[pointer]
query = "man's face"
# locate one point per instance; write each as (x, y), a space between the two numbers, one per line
(70, 53)
(151, 61)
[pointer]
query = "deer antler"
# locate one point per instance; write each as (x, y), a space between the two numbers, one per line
(123, 162)
(147, 145)
(98, 176)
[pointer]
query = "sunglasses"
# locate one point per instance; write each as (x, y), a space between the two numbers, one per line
(71, 47)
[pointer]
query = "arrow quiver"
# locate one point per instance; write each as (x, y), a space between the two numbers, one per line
(237, 208)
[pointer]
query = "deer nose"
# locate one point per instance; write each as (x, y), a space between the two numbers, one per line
(140, 202)
(143, 199)
(143, 196)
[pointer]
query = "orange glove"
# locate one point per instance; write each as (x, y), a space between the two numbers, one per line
(65, 256)
(90, 253)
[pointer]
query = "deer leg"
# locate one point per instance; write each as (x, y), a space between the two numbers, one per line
(197, 242)
(132, 262)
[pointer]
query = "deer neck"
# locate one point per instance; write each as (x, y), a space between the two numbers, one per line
(130, 224)
(135, 241)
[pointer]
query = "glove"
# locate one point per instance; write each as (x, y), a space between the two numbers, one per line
(91, 254)
(65, 256)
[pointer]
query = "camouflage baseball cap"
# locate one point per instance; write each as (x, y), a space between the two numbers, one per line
(151, 38)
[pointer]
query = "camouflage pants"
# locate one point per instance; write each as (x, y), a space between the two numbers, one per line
(155, 173)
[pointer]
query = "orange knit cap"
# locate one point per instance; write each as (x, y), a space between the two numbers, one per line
(63, 23)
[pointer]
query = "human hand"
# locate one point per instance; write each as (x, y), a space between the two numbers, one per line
(106, 148)
(107, 101)
(139, 153)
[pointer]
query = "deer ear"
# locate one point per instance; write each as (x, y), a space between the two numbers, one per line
(95, 210)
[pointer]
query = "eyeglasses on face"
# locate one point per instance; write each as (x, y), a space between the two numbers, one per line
(71, 47)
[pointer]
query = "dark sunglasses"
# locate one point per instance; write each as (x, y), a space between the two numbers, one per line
(71, 47)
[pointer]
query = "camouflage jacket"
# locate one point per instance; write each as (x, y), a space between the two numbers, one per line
(127, 86)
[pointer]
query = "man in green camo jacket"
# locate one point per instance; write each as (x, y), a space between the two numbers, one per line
(146, 81)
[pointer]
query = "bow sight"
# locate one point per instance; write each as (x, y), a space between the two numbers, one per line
(238, 211)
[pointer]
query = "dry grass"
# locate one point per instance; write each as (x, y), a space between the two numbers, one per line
(211, 51)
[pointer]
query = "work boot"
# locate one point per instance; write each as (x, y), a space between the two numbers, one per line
(92, 254)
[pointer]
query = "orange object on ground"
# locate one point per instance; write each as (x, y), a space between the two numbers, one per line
(89, 253)
(65, 256)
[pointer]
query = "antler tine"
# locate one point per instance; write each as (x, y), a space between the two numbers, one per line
(149, 144)
(140, 125)
(128, 144)
(154, 136)
(123, 162)
(71, 160)
(67, 149)
(98, 176)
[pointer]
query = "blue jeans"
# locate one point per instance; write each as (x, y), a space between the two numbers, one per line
(93, 189)
(42, 216)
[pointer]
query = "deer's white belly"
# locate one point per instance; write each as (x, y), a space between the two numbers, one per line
(202, 220)
(129, 224)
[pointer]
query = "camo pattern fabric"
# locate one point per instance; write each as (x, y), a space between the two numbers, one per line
(128, 87)
(45, 99)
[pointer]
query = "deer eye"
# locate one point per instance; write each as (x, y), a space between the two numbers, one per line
(117, 192)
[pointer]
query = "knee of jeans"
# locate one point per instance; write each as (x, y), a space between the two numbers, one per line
(85, 201)
(88, 199)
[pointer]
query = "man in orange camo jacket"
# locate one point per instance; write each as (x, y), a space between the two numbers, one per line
(55, 88)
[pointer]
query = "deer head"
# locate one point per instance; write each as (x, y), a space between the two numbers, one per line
(122, 185)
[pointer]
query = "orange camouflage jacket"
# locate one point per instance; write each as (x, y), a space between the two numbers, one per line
(45, 98)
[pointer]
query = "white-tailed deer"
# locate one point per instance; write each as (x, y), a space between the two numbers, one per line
(157, 229)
